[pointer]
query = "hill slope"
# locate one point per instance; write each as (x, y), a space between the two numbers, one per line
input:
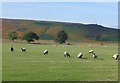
(48, 29)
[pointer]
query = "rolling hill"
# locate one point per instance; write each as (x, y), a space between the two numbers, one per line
(48, 29)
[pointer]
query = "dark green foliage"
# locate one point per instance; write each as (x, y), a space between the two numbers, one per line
(61, 37)
(30, 36)
(12, 35)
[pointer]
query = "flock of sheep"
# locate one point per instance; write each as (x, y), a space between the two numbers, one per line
(115, 56)
(22, 49)
(66, 54)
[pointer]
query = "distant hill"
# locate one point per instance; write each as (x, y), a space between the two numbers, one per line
(48, 29)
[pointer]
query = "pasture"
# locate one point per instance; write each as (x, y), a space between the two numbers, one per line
(33, 65)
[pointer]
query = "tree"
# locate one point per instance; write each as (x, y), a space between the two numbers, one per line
(30, 36)
(61, 37)
(12, 35)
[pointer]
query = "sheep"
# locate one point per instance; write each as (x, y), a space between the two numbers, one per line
(45, 52)
(105, 46)
(95, 55)
(91, 51)
(66, 54)
(115, 56)
(23, 49)
(12, 49)
(80, 55)
(54, 45)
(90, 45)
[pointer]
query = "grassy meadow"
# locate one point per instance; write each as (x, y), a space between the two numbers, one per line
(32, 65)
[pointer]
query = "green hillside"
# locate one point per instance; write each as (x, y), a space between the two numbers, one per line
(48, 29)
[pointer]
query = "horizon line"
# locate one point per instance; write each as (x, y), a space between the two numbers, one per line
(60, 21)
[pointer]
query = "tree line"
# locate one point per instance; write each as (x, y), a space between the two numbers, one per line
(30, 36)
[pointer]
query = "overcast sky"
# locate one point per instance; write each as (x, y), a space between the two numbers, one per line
(103, 13)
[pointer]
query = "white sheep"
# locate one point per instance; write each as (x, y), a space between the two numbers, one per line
(54, 45)
(23, 49)
(45, 52)
(115, 56)
(91, 51)
(95, 55)
(90, 45)
(66, 54)
(105, 46)
(80, 55)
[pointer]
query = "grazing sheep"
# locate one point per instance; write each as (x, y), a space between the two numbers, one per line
(105, 46)
(45, 52)
(54, 45)
(23, 49)
(66, 54)
(90, 45)
(12, 49)
(95, 55)
(115, 56)
(91, 51)
(80, 55)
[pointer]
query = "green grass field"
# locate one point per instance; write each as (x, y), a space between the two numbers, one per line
(34, 66)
